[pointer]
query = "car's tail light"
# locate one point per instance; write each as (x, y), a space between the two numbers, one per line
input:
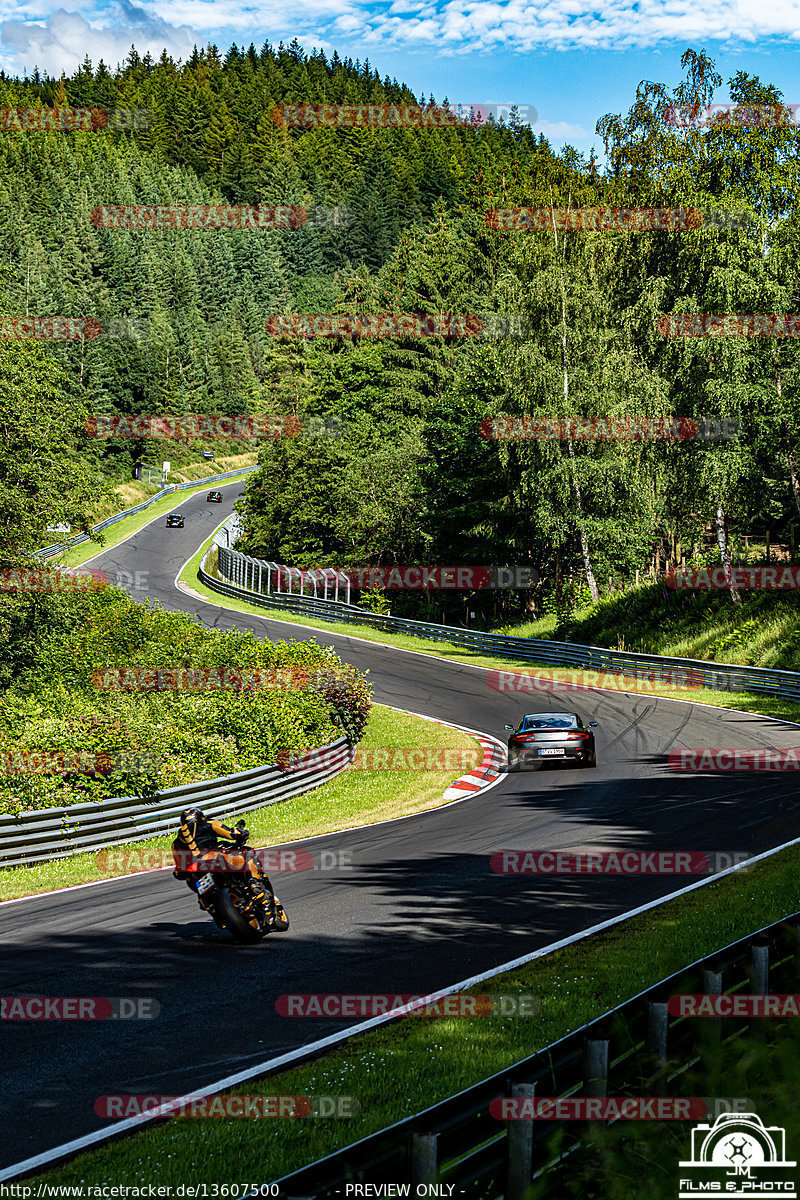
(580, 733)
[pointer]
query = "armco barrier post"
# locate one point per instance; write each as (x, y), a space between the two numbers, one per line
(759, 967)
(657, 1041)
(424, 1158)
(595, 1067)
(519, 1139)
(712, 986)
(759, 981)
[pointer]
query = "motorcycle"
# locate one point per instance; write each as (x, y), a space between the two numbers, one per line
(227, 898)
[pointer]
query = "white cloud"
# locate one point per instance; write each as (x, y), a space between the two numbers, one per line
(561, 131)
(59, 40)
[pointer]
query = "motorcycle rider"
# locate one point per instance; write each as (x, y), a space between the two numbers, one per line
(198, 841)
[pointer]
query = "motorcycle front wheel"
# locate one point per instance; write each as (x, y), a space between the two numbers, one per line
(281, 919)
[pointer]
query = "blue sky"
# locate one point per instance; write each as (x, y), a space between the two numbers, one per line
(570, 60)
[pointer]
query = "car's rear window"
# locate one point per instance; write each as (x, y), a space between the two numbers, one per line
(550, 721)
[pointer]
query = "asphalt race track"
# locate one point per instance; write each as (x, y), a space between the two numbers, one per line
(420, 908)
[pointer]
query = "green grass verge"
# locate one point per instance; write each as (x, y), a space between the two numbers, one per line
(768, 706)
(115, 534)
(355, 797)
(395, 1071)
(638, 1160)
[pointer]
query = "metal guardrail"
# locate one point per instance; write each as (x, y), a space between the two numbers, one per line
(240, 577)
(78, 538)
(49, 833)
(258, 572)
(635, 1049)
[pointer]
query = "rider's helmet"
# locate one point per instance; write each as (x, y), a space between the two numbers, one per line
(191, 814)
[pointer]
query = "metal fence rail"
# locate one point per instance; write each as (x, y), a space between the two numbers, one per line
(635, 1049)
(49, 833)
(240, 576)
(78, 538)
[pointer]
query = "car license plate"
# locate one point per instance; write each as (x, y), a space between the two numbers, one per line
(205, 883)
(558, 751)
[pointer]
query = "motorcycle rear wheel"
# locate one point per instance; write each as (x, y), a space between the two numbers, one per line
(234, 919)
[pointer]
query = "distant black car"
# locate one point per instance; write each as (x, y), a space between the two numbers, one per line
(174, 521)
(214, 498)
(551, 737)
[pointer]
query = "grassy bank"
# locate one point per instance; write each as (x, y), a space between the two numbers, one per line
(762, 631)
(409, 1065)
(356, 797)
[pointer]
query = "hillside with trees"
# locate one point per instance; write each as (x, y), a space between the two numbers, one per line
(412, 479)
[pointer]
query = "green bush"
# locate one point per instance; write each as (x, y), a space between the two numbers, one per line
(127, 741)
